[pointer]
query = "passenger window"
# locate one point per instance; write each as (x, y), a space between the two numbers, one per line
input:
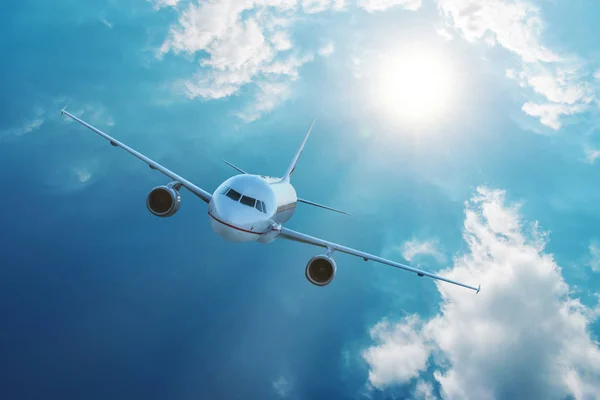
(248, 201)
(233, 195)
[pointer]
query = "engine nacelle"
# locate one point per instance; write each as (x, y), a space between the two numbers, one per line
(164, 201)
(320, 270)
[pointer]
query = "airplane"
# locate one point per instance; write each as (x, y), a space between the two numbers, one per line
(248, 207)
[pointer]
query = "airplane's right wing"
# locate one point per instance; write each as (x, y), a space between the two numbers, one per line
(289, 234)
(203, 194)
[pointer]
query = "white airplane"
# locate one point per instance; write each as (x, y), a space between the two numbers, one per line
(248, 208)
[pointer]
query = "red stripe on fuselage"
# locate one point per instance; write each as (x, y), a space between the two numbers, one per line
(234, 227)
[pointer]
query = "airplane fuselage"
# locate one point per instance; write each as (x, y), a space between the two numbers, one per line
(245, 207)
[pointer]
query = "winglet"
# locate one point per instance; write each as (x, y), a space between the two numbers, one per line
(478, 289)
(64, 109)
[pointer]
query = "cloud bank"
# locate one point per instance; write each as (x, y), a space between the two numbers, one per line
(523, 336)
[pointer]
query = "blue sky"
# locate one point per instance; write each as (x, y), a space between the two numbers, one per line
(461, 134)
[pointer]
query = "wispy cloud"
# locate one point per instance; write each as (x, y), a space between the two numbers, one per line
(483, 346)
(327, 49)
(83, 174)
(415, 247)
(48, 113)
(315, 6)
(106, 23)
(30, 125)
(382, 5)
(269, 95)
(158, 4)
(94, 113)
(282, 387)
(550, 113)
(560, 80)
(594, 262)
(73, 175)
(591, 155)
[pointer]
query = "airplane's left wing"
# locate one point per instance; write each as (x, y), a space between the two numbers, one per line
(289, 234)
(203, 194)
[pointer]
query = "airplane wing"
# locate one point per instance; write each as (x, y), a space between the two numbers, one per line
(289, 234)
(203, 194)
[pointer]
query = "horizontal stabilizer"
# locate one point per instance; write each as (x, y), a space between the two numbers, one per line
(312, 203)
(234, 167)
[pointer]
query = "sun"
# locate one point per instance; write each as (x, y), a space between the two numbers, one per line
(415, 85)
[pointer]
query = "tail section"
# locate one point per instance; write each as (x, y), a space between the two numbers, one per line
(292, 166)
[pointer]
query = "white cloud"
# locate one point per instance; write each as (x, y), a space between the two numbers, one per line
(523, 335)
(395, 342)
(236, 50)
(281, 41)
(415, 247)
(327, 49)
(597, 75)
(444, 33)
(550, 113)
(517, 26)
(382, 5)
(423, 391)
(563, 84)
(594, 257)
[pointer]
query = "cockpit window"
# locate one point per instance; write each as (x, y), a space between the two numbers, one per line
(248, 201)
(245, 200)
(232, 194)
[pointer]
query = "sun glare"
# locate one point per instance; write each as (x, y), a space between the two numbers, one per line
(414, 86)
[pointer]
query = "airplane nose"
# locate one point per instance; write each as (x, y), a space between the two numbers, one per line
(222, 210)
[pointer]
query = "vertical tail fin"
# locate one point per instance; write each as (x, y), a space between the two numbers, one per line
(292, 166)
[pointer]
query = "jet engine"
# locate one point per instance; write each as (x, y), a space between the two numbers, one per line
(320, 270)
(164, 201)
